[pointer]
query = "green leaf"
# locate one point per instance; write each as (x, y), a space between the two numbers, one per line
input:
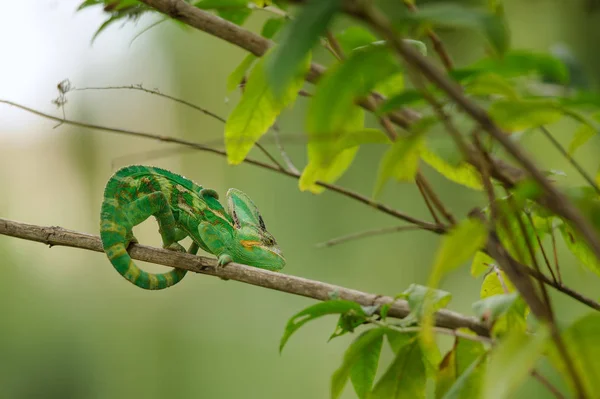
(514, 115)
(391, 85)
(583, 346)
(416, 295)
(271, 27)
(315, 311)
(360, 363)
(580, 248)
(398, 340)
(235, 78)
(511, 361)
(468, 385)
(256, 112)
(487, 84)
(236, 11)
(354, 37)
(365, 136)
(464, 174)
(332, 113)
(400, 161)
(451, 15)
(405, 377)
(582, 135)
(481, 264)
(297, 39)
(494, 306)
(517, 63)
(406, 98)
(456, 362)
(457, 247)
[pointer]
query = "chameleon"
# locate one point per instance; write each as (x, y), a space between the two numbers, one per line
(182, 208)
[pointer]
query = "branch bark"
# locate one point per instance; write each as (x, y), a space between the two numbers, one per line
(58, 236)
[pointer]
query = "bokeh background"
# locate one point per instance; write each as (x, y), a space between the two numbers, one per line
(71, 327)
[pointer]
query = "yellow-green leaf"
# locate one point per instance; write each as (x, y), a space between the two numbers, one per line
(487, 84)
(400, 161)
(235, 78)
(256, 111)
(580, 249)
(327, 173)
(511, 362)
(481, 264)
(456, 362)
(496, 285)
(514, 115)
(464, 174)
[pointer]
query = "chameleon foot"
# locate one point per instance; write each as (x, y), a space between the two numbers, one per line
(176, 247)
(223, 260)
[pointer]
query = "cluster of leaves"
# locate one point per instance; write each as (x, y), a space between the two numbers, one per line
(521, 90)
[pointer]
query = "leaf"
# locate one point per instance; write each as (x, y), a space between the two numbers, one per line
(583, 346)
(481, 264)
(495, 285)
(365, 136)
(456, 362)
(332, 113)
(464, 174)
(236, 11)
(511, 361)
(457, 247)
(235, 78)
(468, 385)
(353, 37)
(315, 311)
(256, 112)
(400, 161)
(487, 84)
(360, 363)
(391, 85)
(494, 306)
(407, 97)
(405, 377)
(297, 39)
(580, 248)
(398, 340)
(514, 115)
(517, 63)
(451, 15)
(582, 135)
(271, 27)
(416, 295)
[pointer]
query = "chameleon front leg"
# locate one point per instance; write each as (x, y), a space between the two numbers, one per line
(214, 237)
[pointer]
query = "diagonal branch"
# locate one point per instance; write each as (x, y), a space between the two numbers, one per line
(58, 236)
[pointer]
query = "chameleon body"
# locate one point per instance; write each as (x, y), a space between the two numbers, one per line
(182, 208)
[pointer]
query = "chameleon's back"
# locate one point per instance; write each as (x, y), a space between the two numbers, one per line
(125, 186)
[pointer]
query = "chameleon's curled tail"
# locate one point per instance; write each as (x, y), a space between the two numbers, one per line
(114, 240)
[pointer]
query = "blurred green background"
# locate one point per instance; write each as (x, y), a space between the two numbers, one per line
(71, 327)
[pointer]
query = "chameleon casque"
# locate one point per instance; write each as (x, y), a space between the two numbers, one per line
(182, 208)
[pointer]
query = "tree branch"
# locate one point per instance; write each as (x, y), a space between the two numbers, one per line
(58, 236)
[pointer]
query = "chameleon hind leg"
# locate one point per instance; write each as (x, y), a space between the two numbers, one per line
(155, 204)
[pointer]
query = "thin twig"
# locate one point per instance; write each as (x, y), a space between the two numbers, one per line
(539, 241)
(157, 93)
(426, 200)
(569, 158)
(268, 154)
(58, 236)
(535, 374)
(555, 251)
(440, 330)
(286, 158)
(364, 234)
(168, 139)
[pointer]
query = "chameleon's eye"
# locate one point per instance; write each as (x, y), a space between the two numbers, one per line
(270, 241)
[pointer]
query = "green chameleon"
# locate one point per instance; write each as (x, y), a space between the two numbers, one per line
(182, 208)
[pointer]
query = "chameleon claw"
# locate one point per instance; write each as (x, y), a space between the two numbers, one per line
(224, 260)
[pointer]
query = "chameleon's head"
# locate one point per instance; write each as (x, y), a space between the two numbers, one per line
(257, 246)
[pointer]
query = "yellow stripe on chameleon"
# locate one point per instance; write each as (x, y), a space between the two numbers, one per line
(110, 225)
(249, 244)
(169, 278)
(133, 272)
(116, 250)
(153, 280)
